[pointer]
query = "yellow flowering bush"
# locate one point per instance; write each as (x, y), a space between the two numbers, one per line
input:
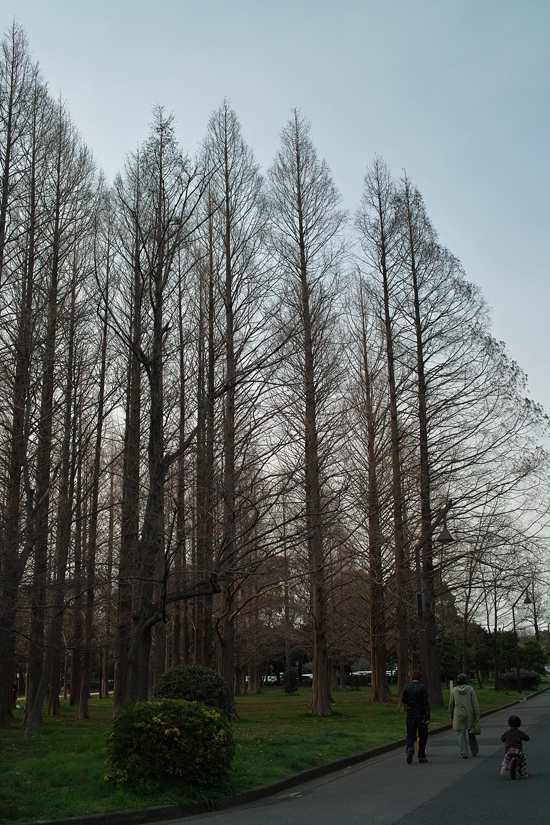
(170, 738)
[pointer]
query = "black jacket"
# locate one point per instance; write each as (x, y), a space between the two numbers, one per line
(415, 696)
(513, 738)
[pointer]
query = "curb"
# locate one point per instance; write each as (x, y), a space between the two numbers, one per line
(165, 813)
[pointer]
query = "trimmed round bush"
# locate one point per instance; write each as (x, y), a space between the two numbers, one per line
(357, 680)
(530, 680)
(195, 684)
(159, 740)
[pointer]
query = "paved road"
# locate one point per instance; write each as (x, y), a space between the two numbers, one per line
(448, 790)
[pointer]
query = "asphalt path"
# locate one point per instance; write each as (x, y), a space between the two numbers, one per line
(447, 790)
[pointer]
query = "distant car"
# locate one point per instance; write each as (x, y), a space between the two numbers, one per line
(307, 679)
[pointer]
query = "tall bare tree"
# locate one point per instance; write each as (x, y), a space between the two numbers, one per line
(377, 225)
(19, 80)
(71, 189)
(164, 218)
(240, 275)
(24, 131)
(306, 226)
(368, 411)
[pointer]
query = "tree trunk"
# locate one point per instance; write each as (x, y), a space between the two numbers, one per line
(106, 659)
(432, 678)
(151, 541)
(43, 462)
(380, 688)
(397, 489)
(321, 699)
(130, 496)
(226, 635)
(83, 712)
(14, 534)
(76, 641)
(64, 521)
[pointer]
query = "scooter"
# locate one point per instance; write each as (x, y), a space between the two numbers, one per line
(514, 766)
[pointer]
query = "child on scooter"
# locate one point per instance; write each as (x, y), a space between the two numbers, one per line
(513, 739)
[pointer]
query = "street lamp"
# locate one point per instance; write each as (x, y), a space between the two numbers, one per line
(444, 538)
(534, 603)
(527, 601)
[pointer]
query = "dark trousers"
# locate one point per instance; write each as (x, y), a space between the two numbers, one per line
(416, 726)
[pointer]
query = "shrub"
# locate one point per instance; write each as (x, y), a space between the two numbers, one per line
(529, 680)
(533, 656)
(357, 680)
(290, 681)
(195, 684)
(159, 740)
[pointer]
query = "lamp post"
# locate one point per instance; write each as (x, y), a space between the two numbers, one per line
(527, 601)
(444, 538)
(535, 622)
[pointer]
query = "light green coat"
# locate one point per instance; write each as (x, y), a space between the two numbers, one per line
(463, 707)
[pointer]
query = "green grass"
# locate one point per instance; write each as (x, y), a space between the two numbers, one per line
(58, 772)
(276, 736)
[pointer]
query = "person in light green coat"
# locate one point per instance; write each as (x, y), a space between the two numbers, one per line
(464, 712)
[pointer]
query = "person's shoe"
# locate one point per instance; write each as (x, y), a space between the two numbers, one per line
(503, 771)
(422, 759)
(410, 754)
(464, 756)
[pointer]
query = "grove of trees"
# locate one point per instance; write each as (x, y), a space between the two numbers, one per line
(230, 410)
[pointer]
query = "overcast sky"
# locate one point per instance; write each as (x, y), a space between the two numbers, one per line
(455, 91)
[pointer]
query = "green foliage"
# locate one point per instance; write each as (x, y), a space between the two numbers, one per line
(195, 684)
(533, 656)
(450, 656)
(159, 740)
(507, 642)
(530, 680)
(290, 681)
(480, 645)
(357, 680)
(479, 651)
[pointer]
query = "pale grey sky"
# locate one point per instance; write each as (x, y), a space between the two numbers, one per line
(455, 91)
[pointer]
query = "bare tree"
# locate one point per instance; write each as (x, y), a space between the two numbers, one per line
(71, 179)
(306, 225)
(24, 116)
(368, 407)
(165, 218)
(238, 268)
(377, 226)
(19, 81)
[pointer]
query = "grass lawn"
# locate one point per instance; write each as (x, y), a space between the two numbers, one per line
(58, 772)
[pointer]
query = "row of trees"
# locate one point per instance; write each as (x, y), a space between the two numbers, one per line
(230, 411)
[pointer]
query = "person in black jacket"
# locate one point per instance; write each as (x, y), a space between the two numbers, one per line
(415, 696)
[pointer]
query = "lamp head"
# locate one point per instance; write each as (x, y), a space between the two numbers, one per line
(445, 537)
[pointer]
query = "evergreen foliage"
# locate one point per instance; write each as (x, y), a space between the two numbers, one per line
(533, 656)
(529, 680)
(170, 738)
(195, 684)
(290, 681)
